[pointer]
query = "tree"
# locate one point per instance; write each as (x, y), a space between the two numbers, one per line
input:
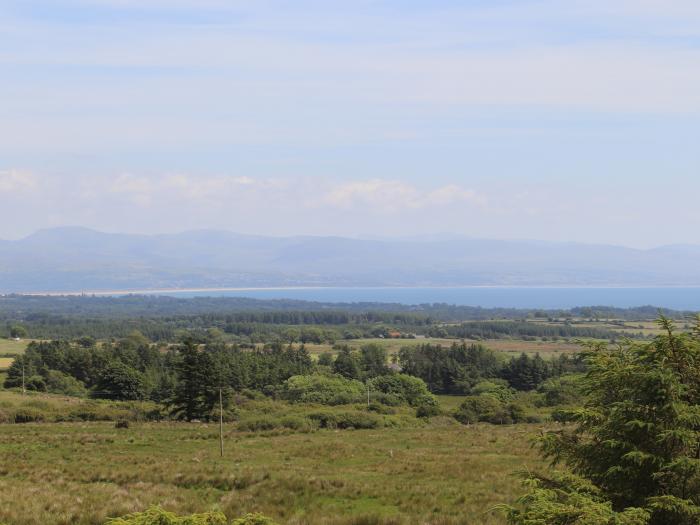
(18, 331)
(636, 440)
(346, 364)
(120, 381)
(373, 360)
(199, 378)
(325, 359)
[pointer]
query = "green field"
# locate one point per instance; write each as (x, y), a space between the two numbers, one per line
(507, 346)
(10, 346)
(81, 473)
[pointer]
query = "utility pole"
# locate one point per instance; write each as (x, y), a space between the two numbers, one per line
(24, 390)
(221, 422)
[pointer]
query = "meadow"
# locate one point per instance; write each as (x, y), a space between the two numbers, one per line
(433, 473)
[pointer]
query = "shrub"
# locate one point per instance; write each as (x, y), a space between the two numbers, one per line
(35, 383)
(409, 389)
(28, 415)
(122, 423)
(60, 383)
(345, 420)
(487, 408)
(157, 516)
(265, 423)
(564, 390)
(323, 389)
(253, 519)
(496, 388)
(325, 359)
(427, 410)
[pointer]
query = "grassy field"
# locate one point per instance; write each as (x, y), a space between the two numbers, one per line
(507, 346)
(444, 473)
(10, 346)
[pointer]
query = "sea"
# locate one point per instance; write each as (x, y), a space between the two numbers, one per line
(677, 298)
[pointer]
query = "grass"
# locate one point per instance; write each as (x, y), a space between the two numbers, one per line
(5, 363)
(506, 346)
(12, 347)
(439, 474)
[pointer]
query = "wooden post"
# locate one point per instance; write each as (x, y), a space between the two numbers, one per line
(24, 390)
(221, 423)
(368, 395)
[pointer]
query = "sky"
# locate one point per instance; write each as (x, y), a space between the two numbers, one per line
(559, 120)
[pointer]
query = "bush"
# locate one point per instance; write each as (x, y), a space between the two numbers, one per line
(265, 423)
(157, 516)
(28, 415)
(60, 383)
(253, 519)
(426, 411)
(345, 420)
(496, 388)
(122, 423)
(564, 390)
(408, 389)
(35, 383)
(487, 408)
(323, 389)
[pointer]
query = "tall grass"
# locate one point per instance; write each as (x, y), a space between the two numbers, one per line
(439, 474)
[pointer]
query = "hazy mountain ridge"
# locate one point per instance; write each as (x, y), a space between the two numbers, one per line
(74, 259)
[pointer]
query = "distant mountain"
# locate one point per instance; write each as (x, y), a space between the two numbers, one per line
(79, 259)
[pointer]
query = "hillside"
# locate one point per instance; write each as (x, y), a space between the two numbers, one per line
(74, 259)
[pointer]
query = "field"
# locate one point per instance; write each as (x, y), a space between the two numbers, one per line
(10, 346)
(507, 346)
(443, 473)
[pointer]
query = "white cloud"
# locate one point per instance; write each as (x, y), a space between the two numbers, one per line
(392, 196)
(13, 181)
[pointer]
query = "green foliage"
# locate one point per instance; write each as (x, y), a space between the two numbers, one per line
(526, 373)
(18, 331)
(496, 388)
(347, 364)
(158, 516)
(199, 379)
(405, 388)
(373, 361)
(453, 370)
(486, 408)
(563, 390)
(120, 381)
(60, 383)
(346, 419)
(35, 383)
(569, 500)
(638, 435)
(253, 519)
(323, 389)
(325, 359)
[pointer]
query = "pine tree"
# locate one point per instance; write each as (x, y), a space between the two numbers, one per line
(636, 441)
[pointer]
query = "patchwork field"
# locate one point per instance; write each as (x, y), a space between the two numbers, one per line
(80, 473)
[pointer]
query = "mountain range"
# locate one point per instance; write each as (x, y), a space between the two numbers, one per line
(74, 259)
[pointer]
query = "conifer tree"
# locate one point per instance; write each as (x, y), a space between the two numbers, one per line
(635, 444)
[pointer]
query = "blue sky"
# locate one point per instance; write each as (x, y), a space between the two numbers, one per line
(556, 120)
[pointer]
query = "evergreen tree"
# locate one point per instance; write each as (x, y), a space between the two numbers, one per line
(636, 441)
(346, 364)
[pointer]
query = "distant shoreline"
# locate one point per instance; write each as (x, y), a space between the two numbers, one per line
(160, 291)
